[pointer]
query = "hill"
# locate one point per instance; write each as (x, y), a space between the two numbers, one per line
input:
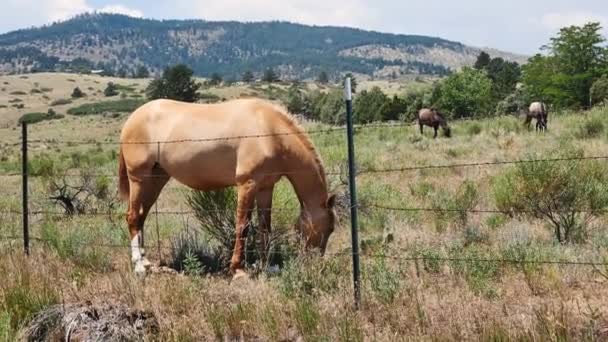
(118, 43)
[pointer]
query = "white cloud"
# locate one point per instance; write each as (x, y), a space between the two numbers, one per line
(121, 9)
(64, 9)
(555, 21)
(316, 12)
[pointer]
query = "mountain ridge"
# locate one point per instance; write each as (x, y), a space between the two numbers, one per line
(116, 42)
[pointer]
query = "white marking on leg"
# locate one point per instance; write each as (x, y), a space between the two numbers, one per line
(135, 250)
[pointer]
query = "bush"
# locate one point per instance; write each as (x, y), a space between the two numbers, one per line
(567, 193)
(111, 90)
(176, 83)
(599, 90)
(590, 129)
(474, 129)
(31, 118)
(18, 92)
(384, 282)
(191, 255)
(311, 275)
(119, 106)
(61, 102)
(77, 93)
(456, 206)
(215, 211)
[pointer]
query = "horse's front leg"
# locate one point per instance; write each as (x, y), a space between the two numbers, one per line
(436, 128)
(422, 129)
(246, 197)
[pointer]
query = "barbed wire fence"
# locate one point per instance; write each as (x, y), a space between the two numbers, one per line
(353, 207)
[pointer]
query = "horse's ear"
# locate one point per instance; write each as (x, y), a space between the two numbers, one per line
(331, 201)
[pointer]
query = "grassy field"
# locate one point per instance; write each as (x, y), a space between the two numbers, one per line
(441, 297)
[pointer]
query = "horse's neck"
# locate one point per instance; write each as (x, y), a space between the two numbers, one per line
(308, 181)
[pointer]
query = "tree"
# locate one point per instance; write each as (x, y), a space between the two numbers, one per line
(504, 76)
(577, 57)
(176, 83)
(393, 109)
(599, 90)
(353, 81)
(111, 90)
(270, 76)
(483, 60)
(122, 73)
(142, 72)
(77, 93)
(368, 105)
(248, 77)
(466, 93)
(567, 194)
(328, 107)
(297, 103)
(323, 78)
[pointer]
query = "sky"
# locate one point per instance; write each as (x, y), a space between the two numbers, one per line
(520, 26)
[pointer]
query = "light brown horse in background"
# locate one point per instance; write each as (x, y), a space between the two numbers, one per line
(249, 143)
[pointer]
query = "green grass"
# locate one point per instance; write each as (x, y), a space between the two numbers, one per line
(120, 106)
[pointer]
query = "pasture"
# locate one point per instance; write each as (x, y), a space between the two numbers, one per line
(443, 268)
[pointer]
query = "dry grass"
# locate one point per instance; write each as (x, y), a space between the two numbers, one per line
(312, 297)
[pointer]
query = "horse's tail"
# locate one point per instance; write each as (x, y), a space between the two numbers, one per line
(123, 179)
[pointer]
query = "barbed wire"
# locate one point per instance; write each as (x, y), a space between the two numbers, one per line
(381, 255)
(364, 171)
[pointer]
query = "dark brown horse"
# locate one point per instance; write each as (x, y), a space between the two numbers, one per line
(432, 118)
(538, 111)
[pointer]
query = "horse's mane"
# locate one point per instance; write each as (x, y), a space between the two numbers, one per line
(292, 123)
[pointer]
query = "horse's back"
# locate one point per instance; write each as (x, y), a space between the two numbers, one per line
(425, 114)
(538, 107)
(215, 140)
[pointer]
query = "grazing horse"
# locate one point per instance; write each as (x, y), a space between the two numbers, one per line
(247, 143)
(538, 111)
(432, 118)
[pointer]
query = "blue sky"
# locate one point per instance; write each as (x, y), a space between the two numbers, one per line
(516, 25)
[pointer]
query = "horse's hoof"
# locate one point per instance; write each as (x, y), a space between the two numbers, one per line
(140, 269)
(146, 263)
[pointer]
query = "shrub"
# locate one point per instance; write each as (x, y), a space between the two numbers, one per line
(119, 106)
(456, 206)
(590, 128)
(473, 129)
(193, 256)
(215, 212)
(32, 118)
(61, 102)
(311, 275)
(77, 93)
(384, 282)
(18, 92)
(111, 90)
(566, 193)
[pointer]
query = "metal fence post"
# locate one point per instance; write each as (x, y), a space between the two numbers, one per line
(24, 174)
(353, 192)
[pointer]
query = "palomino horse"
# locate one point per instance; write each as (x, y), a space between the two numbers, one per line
(249, 143)
(432, 118)
(538, 111)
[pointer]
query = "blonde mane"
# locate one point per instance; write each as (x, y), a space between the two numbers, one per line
(303, 136)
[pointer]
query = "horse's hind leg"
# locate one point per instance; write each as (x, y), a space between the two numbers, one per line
(142, 195)
(245, 202)
(263, 201)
